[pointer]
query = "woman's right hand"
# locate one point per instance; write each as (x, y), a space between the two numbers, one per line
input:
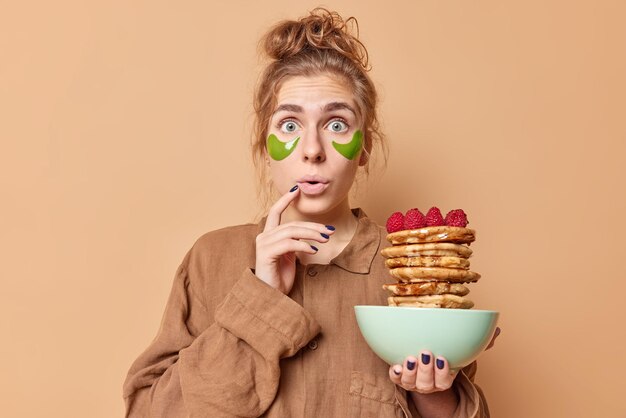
(277, 245)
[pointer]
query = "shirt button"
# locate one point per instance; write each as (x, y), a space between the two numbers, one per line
(312, 272)
(313, 344)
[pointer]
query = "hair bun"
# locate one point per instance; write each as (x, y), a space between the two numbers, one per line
(322, 29)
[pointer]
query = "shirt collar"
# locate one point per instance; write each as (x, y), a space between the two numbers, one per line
(358, 255)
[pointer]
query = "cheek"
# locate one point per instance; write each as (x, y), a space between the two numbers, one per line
(345, 171)
(275, 169)
(280, 172)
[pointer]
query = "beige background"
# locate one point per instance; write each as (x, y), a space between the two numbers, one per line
(125, 127)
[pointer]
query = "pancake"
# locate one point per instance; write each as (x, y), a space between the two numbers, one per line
(426, 288)
(450, 262)
(431, 301)
(454, 234)
(434, 274)
(436, 249)
(430, 279)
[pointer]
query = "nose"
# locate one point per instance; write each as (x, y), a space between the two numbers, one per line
(312, 147)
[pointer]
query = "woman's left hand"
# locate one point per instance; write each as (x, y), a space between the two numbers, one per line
(424, 374)
(427, 374)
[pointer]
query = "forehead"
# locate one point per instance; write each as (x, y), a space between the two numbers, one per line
(314, 91)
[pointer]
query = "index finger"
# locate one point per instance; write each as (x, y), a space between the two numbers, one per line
(273, 216)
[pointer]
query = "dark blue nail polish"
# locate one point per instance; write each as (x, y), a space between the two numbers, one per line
(294, 188)
(440, 364)
(426, 358)
(330, 227)
(315, 248)
(410, 365)
(325, 236)
(397, 373)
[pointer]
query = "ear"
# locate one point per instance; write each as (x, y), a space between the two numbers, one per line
(266, 156)
(365, 153)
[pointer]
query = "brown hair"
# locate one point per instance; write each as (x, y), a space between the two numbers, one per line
(320, 43)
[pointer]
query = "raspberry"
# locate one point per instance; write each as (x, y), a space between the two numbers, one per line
(414, 219)
(395, 222)
(433, 217)
(456, 217)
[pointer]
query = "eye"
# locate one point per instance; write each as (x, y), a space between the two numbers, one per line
(288, 126)
(338, 126)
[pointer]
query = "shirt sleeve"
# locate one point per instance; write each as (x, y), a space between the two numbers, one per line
(472, 401)
(227, 368)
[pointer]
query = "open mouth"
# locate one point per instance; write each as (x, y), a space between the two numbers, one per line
(312, 187)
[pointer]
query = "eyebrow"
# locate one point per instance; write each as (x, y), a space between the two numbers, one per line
(289, 108)
(338, 106)
(328, 108)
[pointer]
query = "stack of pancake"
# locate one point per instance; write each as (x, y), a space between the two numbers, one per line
(431, 265)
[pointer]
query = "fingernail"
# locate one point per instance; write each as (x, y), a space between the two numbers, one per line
(440, 364)
(330, 227)
(396, 372)
(410, 365)
(325, 236)
(425, 358)
(315, 248)
(294, 188)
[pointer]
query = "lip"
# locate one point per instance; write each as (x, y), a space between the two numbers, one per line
(319, 185)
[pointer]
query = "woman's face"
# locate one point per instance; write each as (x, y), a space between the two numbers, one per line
(314, 141)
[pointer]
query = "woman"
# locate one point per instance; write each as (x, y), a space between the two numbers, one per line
(260, 319)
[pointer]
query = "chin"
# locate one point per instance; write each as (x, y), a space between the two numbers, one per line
(314, 206)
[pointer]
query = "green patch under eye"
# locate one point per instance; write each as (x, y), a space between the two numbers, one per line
(279, 150)
(352, 148)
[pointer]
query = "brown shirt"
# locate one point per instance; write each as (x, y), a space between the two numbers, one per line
(229, 345)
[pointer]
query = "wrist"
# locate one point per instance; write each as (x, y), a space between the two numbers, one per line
(435, 404)
(271, 283)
